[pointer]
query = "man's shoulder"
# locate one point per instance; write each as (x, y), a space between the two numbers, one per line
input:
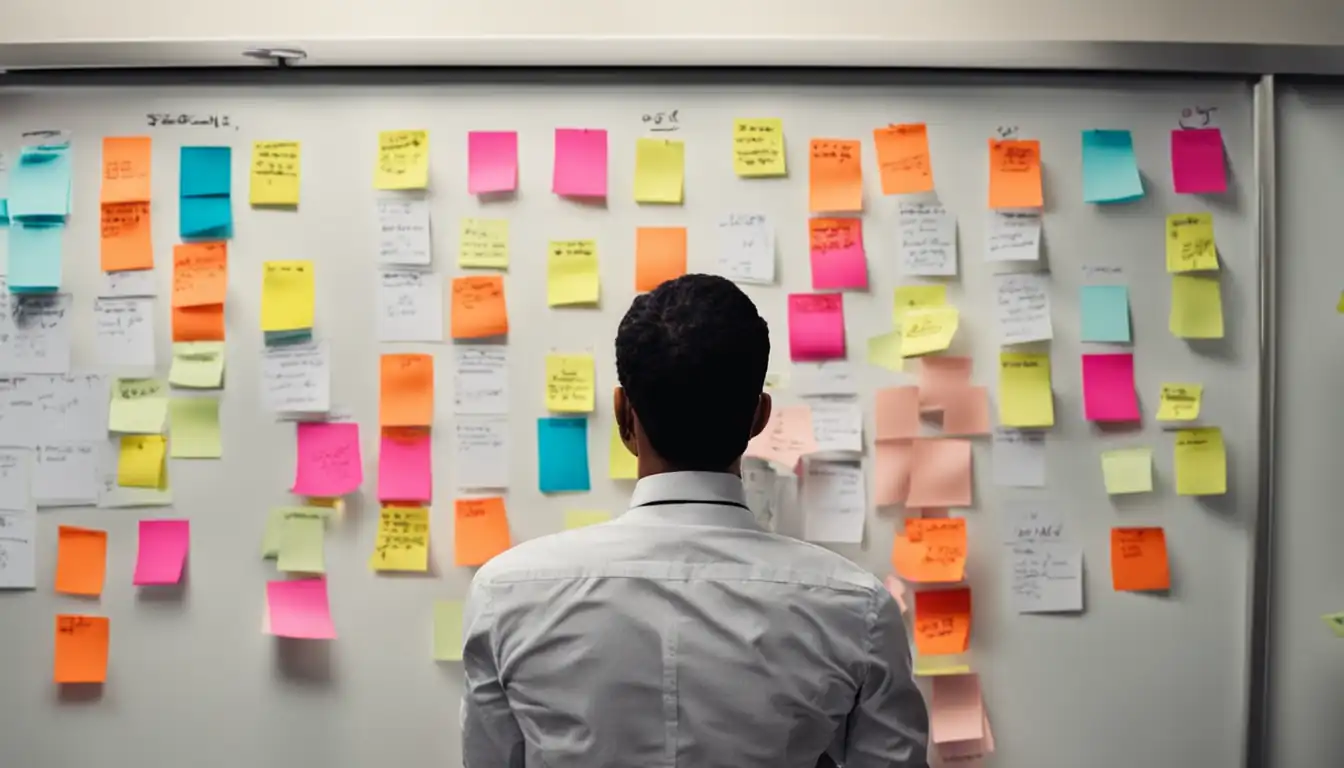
(553, 550)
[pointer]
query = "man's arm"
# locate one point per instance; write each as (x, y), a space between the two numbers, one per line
(490, 735)
(889, 727)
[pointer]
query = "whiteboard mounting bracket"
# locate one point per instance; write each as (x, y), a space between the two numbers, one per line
(282, 58)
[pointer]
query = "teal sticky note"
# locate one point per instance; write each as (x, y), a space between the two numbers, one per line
(1105, 310)
(4, 212)
(1110, 172)
(208, 218)
(204, 172)
(285, 338)
(562, 454)
(39, 184)
(35, 257)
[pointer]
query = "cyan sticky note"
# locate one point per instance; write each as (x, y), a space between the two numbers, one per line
(562, 454)
(1110, 172)
(285, 338)
(204, 172)
(4, 212)
(39, 184)
(35, 257)
(1105, 310)
(205, 217)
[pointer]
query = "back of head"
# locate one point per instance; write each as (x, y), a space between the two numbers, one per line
(691, 356)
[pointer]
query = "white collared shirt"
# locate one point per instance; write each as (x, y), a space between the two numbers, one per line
(681, 634)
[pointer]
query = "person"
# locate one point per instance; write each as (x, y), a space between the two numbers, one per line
(680, 633)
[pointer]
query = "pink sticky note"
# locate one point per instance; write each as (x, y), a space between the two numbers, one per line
(1197, 165)
(897, 589)
(404, 466)
(838, 259)
(329, 463)
(956, 710)
(959, 751)
(580, 162)
(896, 410)
(299, 608)
(938, 375)
(966, 411)
(816, 326)
(787, 437)
(162, 552)
(1108, 388)
(492, 161)
(891, 476)
(940, 473)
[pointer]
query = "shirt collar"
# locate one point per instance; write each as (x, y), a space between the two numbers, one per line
(716, 492)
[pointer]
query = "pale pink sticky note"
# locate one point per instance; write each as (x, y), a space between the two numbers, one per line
(966, 411)
(492, 161)
(580, 162)
(1197, 165)
(1108, 388)
(958, 751)
(299, 608)
(816, 326)
(891, 475)
(937, 376)
(162, 551)
(940, 473)
(328, 462)
(896, 410)
(956, 710)
(787, 437)
(930, 511)
(404, 466)
(838, 259)
(897, 589)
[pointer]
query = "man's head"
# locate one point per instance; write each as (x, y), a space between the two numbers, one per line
(691, 358)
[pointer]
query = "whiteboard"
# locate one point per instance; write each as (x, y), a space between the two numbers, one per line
(1135, 680)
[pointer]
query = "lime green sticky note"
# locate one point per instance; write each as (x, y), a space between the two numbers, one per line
(1339, 306)
(621, 463)
(582, 518)
(660, 171)
(1196, 307)
(448, 630)
(933, 666)
(1128, 470)
(1201, 462)
(194, 423)
(301, 538)
(1335, 621)
(197, 365)
(884, 351)
(272, 538)
(484, 243)
(139, 406)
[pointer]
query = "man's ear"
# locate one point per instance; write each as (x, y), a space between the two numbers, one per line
(763, 408)
(625, 419)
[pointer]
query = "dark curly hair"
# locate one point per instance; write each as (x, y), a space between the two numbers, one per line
(691, 356)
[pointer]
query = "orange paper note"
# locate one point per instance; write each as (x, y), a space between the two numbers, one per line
(125, 169)
(1139, 560)
(1015, 174)
(200, 273)
(126, 242)
(478, 307)
(835, 176)
(966, 411)
(897, 412)
(940, 473)
(903, 158)
(198, 323)
(931, 550)
(940, 378)
(81, 560)
(81, 648)
(481, 531)
(660, 255)
(891, 477)
(942, 621)
(406, 391)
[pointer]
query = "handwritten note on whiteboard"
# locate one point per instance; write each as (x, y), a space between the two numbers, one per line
(480, 380)
(1022, 307)
(481, 451)
(403, 231)
(1047, 569)
(833, 498)
(1013, 236)
(928, 239)
(124, 329)
(410, 305)
(747, 248)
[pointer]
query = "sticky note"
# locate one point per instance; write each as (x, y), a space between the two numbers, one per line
(929, 329)
(1335, 621)
(287, 295)
(891, 474)
(575, 518)
(896, 411)
(405, 466)
(571, 273)
(660, 171)
(138, 406)
(562, 454)
(1190, 243)
(81, 560)
(126, 167)
(1128, 470)
(1139, 560)
(204, 171)
(908, 297)
(484, 243)
(1105, 310)
(660, 255)
(580, 163)
(140, 461)
(275, 173)
(328, 459)
(1015, 174)
(1108, 388)
(200, 274)
(81, 648)
(1025, 397)
(941, 378)
(1196, 307)
(758, 147)
(198, 323)
(403, 160)
(197, 365)
(930, 550)
(481, 530)
(299, 608)
(956, 711)
(479, 309)
(448, 639)
(1180, 402)
(402, 543)
(838, 258)
(884, 351)
(1110, 171)
(125, 242)
(39, 185)
(195, 428)
(162, 551)
(942, 621)
(406, 391)
(302, 543)
(835, 176)
(492, 162)
(940, 473)
(816, 326)
(1197, 165)
(966, 411)
(1201, 462)
(205, 218)
(787, 437)
(34, 257)
(903, 158)
(571, 382)
(621, 463)
(934, 666)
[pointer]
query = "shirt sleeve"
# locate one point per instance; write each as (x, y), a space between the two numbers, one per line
(490, 734)
(889, 726)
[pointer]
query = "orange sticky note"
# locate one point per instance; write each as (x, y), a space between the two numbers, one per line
(200, 273)
(125, 169)
(891, 477)
(81, 648)
(406, 391)
(835, 176)
(903, 158)
(897, 412)
(930, 550)
(126, 242)
(660, 255)
(478, 307)
(940, 473)
(198, 323)
(942, 621)
(81, 560)
(966, 411)
(1015, 173)
(1139, 560)
(940, 378)
(481, 530)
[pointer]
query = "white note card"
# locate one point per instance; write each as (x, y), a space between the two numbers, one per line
(829, 378)
(66, 475)
(1013, 236)
(928, 239)
(403, 231)
(482, 451)
(18, 550)
(480, 380)
(129, 284)
(1019, 458)
(124, 334)
(837, 425)
(1047, 569)
(833, 502)
(1022, 307)
(34, 332)
(761, 485)
(53, 409)
(296, 378)
(15, 478)
(747, 248)
(410, 305)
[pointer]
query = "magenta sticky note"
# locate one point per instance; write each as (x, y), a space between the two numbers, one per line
(580, 162)
(1197, 165)
(299, 608)
(1108, 388)
(492, 161)
(328, 463)
(162, 552)
(838, 260)
(404, 466)
(816, 326)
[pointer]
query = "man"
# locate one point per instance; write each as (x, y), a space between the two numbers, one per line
(681, 634)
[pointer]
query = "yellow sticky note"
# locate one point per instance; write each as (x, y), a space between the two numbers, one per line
(758, 147)
(929, 329)
(571, 382)
(403, 160)
(197, 365)
(1128, 470)
(1339, 306)
(1180, 402)
(1196, 307)
(917, 297)
(582, 518)
(448, 630)
(484, 243)
(571, 273)
(195, 428)
(138, 406)
(403, 540)
(302, 535)
(1025, 397)
(621, 463)
(140, 461)
(275, 173)
(885, 351)
(287, 295)
(1201, 462)
(1190, 245)
(1335, 621)
(660, 171)
(933, 666)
